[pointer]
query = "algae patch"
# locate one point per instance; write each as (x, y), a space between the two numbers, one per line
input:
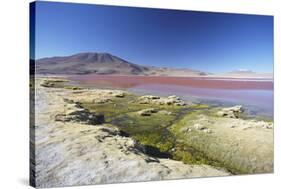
(151, 131)
(232, 141)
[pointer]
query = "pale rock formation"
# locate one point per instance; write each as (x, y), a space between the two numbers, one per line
(147, 112)
(170, 100)
(231, 112)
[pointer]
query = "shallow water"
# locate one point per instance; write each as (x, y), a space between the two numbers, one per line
(256, 101)
(256, 95)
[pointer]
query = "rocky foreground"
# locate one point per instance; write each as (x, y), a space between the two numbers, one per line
(75, 147)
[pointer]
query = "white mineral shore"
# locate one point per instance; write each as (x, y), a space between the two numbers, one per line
(72, 153)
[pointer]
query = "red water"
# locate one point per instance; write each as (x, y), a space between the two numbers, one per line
(255, 94)
(194, 82)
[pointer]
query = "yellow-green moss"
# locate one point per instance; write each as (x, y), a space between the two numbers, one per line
(150, 130)
(122, 106)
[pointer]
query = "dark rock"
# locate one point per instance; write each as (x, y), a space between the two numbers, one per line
(81, 116)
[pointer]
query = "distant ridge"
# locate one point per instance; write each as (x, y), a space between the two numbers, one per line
(107, 64)
(246, 74)
(103, 64)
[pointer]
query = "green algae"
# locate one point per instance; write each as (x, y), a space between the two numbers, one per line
(221, 147)
(121, 106)
(153, 130)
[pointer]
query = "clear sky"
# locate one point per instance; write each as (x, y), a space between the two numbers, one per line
(212, 42)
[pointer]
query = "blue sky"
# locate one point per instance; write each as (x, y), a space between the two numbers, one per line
(213, 42)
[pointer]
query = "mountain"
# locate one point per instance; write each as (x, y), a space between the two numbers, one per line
(88, 63)
(104, 64)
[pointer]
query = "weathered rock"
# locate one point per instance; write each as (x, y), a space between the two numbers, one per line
(170, 100)
(202, 128)
(144, 101)
(119, 94)
(151, 97)
(226, 114)
(51, 82)
(207, 130)
(198, 126)
(165, 112)
(173, 97)
(261, 124)
(147, 112)
(231, 112)
(72, 88)
(237, 108)
(73, 111)
(268, 126)
(47, 84)
(180, 103)
(80, 116)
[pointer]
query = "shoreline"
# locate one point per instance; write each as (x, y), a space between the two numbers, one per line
(265, 78)
(102, 99)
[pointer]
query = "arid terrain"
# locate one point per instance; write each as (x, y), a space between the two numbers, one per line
(91, 136)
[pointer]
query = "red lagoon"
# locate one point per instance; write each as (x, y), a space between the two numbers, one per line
(194, 82)
(256, 94)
